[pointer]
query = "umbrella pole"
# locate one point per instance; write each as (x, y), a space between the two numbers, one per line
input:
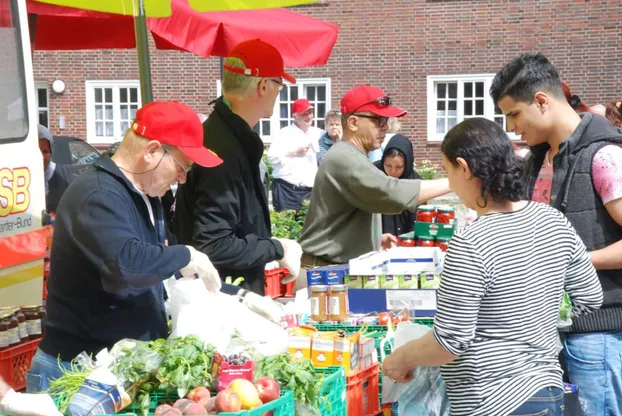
(142, 49)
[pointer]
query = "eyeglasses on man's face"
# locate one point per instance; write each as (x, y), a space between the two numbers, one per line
(382, 121)
(186, 169)
(279, 82)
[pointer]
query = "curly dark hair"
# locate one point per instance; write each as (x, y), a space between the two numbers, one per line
(488, 151)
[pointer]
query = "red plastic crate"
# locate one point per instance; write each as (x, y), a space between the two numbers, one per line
(287, 289)
(14, 362)
(362, 394)
(272, 286)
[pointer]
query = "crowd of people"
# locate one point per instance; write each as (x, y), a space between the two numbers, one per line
(547, 224)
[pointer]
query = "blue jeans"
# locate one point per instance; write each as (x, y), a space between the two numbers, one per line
(43, 369)
(594, 364)
(548, 401)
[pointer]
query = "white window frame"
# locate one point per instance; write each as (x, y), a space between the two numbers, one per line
(91, 132)
(489, 106)
(42, 85)
(301, 83)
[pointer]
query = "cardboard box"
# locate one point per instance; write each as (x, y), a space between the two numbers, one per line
(299, 347)
(408, 281)
(371, 282)
(347, 353)
(414, 260)
(367, 346)
(354, 282)
(429, 280)
(315, 277)
(368, 264)
(389, 281)
(334, 275)
(322, 351)
(432, 229)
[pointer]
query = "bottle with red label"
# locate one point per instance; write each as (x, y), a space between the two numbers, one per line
(426, 213)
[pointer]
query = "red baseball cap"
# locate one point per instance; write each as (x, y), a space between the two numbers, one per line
(175, 124)
(260, 59)
(371, 99)
(301, 105)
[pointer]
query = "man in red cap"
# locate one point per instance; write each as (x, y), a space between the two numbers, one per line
(223, 212)
(293, 154)
(112, 250)
(349, 189)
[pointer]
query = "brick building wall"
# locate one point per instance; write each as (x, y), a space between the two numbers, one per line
(393, 44)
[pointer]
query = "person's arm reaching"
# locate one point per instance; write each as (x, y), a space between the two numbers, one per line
(24, 404)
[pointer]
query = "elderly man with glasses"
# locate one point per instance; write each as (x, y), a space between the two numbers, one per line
(349, 189)
(223, 212)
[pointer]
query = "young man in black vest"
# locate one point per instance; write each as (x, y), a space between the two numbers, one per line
(575, 165)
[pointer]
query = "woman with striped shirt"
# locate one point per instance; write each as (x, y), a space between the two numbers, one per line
(504, 276)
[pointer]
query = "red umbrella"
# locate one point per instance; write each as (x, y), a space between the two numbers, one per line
(302, 40)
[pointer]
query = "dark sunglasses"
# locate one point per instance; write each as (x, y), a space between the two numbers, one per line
(382, 102)
(382, 121)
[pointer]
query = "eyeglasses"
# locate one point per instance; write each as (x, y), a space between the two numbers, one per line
(382, 102)
(186, 169)
(382, 121)
(280, 83)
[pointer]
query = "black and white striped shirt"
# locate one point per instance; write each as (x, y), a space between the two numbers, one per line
(498, 306)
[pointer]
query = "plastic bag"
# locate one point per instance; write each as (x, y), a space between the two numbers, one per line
(425, 395)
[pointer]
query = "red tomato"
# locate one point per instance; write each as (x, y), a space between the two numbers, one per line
(384, 318)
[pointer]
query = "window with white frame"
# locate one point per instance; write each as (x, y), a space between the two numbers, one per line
(454, 98)
(110, 108)
(43, 103)
(316, 90)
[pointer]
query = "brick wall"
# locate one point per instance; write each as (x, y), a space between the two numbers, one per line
(391, 44)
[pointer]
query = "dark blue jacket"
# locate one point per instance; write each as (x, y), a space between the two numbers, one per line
(108, 262)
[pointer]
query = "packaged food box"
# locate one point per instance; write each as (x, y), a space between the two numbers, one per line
(389, 281)
(323, 349)
(354, 282)
(429, 280)
(315, 277)
(427, 229)
(227, 369)
(368, 264)
(408, 281)
(347, 353)
(299, 347)
(371, 282)
(334, 275)
(414, 260)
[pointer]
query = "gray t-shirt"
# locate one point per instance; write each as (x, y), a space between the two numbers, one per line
(348, 189)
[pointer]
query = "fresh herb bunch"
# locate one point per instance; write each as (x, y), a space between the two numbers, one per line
(295, 375)
(64, 387)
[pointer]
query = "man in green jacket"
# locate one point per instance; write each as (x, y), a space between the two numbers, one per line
(349, 189)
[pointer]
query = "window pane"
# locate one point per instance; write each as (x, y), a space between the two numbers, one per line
(265, 127)
(124, 112)
(109, 114)
(99, 112)
(98, 95)
(284, 123)
(468, 89)
(440, 125)
(321, 110)
(311, 93)
(110, 129)
(42, 96)
(284, 113)
(124, 126)
(479, 107)
(283, 94)
(479, 89)
(468, 108)
(451, 122)
(321, 93)
(440, 108)
(441, 90)
(453, 105)
(108, 94)
(99, 129)
(133, 109)
(134, 95)
(43, 118)
(293, 92)
(123, 95)
(321, 125)
(453, 90)
(499, 121)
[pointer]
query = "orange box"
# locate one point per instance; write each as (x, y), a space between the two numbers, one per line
(299, 347)
(347, 353)
(322, 351)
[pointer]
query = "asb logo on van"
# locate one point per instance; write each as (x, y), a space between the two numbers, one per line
(14, 191)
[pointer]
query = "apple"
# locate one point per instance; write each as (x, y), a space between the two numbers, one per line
(228, 401)
(268, 388)
(249, 396)
(198, 393)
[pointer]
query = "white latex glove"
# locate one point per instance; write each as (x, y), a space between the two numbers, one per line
(201, 267)
(261, 305)
(292, 252)
(23, 404)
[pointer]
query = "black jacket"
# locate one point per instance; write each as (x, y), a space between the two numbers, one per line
(57, 185)
(223, 211)
(404, 222)
(108, 262)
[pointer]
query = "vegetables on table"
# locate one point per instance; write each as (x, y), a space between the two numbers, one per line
(228, 401)
(295, 375)
(64, 387)
(268, 389)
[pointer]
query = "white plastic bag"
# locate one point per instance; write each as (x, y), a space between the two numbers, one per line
(425, 395)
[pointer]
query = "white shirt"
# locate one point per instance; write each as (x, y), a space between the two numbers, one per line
(296, 170)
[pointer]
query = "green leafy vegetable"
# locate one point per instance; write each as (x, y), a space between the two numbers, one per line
(295, 375)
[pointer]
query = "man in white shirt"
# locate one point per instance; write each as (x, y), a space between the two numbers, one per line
(293, 154)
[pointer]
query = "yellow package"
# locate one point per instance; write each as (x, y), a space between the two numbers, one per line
(347, 353)
(299, 347)
(322, 351)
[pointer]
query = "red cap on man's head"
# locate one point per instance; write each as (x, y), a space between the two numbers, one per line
(175, 124)
(260, 59)
(301, 105)
(369, 99)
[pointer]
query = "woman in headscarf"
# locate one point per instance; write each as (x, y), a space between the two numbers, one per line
(397, 161)
(57, 178)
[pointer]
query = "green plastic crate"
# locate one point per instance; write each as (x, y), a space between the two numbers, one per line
(332, 400)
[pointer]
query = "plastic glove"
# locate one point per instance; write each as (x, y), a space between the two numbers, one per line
(23, 404)
(261, 305)
(292, 252)
(201, 267)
